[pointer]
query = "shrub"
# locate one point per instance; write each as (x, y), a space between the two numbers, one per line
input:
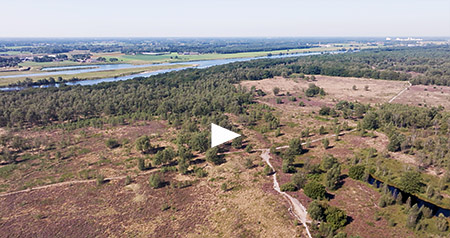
(299, 180)
(288, 187)
(141, 164)
(267, 170)
(276, 90)
(442, 223)
(295, 147)
(100, 179)
(333, 176)
(200, 172)
(248, 148)
(143, 144)
(325, 143)
(313, 90)
(413, 216)
(155, 181)
(237, 142)
(128, 180)
(316, 211)
(322, 130)
(165, 206)
(248, 163)
(112, 143)
(181, 184)
(340, 235)
(328, 162)
(324, 111)
(399, 198)
(213, 157)
(356, 172)
(335, 217)
(411, 182)
(183, 165)
(288, 168)
(426, 212)
(224, 187)
(315, 190)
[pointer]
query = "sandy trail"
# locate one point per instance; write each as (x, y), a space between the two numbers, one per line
(296, 208)
(400, 93)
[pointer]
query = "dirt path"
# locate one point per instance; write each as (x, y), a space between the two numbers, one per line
(400, 93)
(296, 208)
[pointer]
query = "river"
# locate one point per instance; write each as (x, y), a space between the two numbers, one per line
(71, 70)
(414, 199)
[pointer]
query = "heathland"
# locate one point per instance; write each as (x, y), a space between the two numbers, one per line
(135, 154)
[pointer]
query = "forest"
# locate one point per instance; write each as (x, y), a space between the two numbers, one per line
(199, 92)
(9, 62)
(138, 45)
(427, 136)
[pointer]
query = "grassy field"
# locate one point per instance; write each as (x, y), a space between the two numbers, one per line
(14, 52)
(94, 75)
(175, 57)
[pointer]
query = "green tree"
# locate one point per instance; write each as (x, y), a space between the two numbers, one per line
(213, 157)
(248, 163)
(268, 170)
(357, 172)
(277, 132)
(411, 182)
(199, 142)
(315, 190)
(426, 212)
(276, 90)
(316, 211)
(248, 148)
(329, 162)
(237, 142)
(442, 223)
(325, 143)
(395, 141)
(399, 198)
(295, 147)
(143, 144)
(288, 187)
(322, 130)
(155, 180)
(335, 217)
(413, 216)
(100, 179)
(183, 165)
(141, 164)
(299, 179)
(332, 177)
(112, 143)
(370, 121)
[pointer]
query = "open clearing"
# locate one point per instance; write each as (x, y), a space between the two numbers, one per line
(338, 88)
(429, 95)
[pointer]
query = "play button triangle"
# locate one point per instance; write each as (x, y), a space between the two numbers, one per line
(221, 135)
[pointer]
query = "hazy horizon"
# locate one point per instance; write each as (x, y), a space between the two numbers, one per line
(201, 18)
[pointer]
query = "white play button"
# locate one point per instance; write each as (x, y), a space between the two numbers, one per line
(220, 135)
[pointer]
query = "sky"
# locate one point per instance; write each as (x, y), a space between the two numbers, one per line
(224, 18)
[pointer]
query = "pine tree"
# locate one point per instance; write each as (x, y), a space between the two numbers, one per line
(399, 198)
(413, 216)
